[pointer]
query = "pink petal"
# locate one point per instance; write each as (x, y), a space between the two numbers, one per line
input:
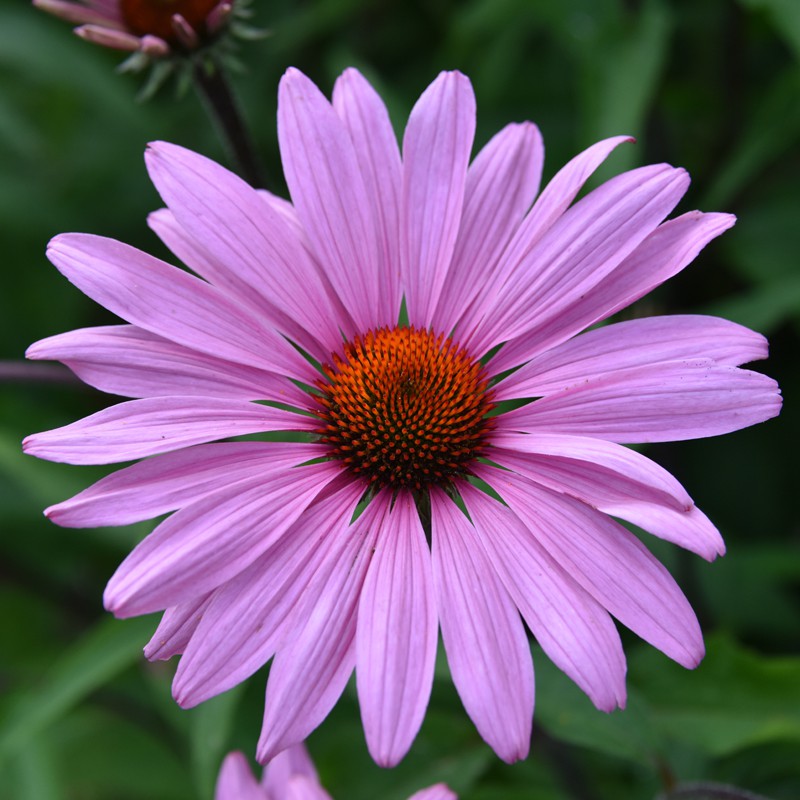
(129, 361)
(236, 781)
(302, 788)
(291, 763)
(171, 303)
(583, 246)
(252, 249)
(176, 628)
(552, 203)
(436, 150)
(330, 196)
(367, 120)
(79, 13)
(613, 479)
(487, 648)
(309, 674)
(573, 629)
(164, 483)
(140, 428)
(663, 402)
(202, 262)
(436, 792)
(634, 343)
(205, 544)
(611, 564)
(397, 633)
(665, 252)
(501, 184)
(253, 613)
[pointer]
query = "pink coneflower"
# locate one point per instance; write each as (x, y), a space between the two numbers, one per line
(153, 27)
(408, 422)
(289, 776)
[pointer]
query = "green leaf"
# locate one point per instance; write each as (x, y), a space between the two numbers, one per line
(774, 127)
(92, 662)
(210, 728)
(566, 713)
(618, 91)
(763, 308)
(733, 700)
(785, 16)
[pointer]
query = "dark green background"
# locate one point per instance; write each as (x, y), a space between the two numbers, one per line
(713, 86)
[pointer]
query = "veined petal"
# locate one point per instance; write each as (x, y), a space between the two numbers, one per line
(208, 542)
(656, 403)
(367, 120)
(573, 629)
(610, 471)
(611, 564)
(310, 672)
(634, 343)
(501, 184)
(166, 482)
(613, 479)
(204, 264)
(140, 428)
(397, 634)
(129, 361)
(436, 150)
(171, 303)
(551, 204)
(330, 197)
(176, 628)
(254, 249)
(664, 253)
(583, 246)
(254, 612)
(486, 645)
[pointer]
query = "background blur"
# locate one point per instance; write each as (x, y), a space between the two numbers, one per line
(711, 86)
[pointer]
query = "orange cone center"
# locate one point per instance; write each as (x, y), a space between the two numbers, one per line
(405, 408)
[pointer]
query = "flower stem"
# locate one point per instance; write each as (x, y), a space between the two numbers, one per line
(24, 372)
(214, 89)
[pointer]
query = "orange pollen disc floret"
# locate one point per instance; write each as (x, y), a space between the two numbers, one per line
(154, 17)
(405, 408)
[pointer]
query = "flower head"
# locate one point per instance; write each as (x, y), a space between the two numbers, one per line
(456, 461)
(155, 28)
(289, 775)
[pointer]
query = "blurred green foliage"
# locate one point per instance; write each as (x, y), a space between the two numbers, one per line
(712, 86)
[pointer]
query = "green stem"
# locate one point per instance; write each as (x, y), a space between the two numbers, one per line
(214, 89)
